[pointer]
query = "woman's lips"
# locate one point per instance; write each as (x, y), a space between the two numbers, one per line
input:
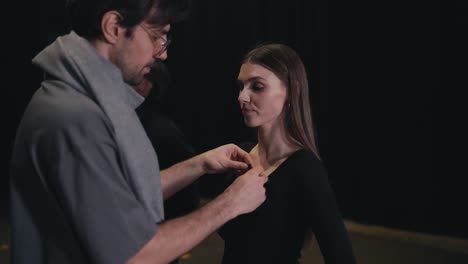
(246, 111)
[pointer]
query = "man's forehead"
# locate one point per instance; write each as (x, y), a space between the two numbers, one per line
(162, 29)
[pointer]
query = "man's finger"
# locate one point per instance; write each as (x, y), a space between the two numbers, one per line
(256, 171)
(239, 165)
(244, 156)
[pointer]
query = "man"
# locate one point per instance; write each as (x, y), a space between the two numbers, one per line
(85, 183)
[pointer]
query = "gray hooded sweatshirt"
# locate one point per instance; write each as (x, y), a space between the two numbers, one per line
(85, 184)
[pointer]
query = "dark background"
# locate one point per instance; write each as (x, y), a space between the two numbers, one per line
(372, 70)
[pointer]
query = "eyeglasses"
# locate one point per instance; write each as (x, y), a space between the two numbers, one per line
(159, 42)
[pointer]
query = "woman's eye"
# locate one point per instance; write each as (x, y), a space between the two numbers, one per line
(257, 87)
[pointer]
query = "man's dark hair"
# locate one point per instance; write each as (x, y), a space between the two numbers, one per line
(85, 15)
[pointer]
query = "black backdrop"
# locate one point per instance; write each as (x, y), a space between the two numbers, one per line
(372, 68)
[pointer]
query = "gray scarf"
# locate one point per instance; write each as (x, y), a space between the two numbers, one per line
(75, 61)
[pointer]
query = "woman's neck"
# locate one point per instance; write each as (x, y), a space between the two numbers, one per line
(274, 147)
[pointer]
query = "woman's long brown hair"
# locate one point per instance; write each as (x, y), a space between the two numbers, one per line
(286, 64)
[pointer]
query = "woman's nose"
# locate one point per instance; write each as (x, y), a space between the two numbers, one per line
(243, 96)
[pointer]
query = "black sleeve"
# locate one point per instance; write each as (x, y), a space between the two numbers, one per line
(167, 139)
(82, 168)
(323, 213)
(172, 147)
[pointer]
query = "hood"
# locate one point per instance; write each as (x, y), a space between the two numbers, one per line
(74, 61)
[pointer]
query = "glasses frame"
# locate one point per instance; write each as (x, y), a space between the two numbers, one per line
(154, 37)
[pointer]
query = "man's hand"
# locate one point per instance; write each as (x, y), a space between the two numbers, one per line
(224, 158)
(247, 192)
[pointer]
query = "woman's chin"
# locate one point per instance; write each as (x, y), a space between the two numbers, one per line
(250, 124)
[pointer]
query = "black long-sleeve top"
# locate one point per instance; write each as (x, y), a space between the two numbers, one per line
(299, 201)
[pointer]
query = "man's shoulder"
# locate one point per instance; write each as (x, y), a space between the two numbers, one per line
(63, 109)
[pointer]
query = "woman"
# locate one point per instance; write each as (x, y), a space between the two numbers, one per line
(300, 203)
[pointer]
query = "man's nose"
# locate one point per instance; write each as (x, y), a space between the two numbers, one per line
(162, 56)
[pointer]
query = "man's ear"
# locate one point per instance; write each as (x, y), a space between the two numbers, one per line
(110, 26)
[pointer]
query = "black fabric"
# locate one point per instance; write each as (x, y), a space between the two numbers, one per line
(172, 147)
(299, 200)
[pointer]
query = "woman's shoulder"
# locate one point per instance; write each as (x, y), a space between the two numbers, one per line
(305, 157)
(307, 166)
